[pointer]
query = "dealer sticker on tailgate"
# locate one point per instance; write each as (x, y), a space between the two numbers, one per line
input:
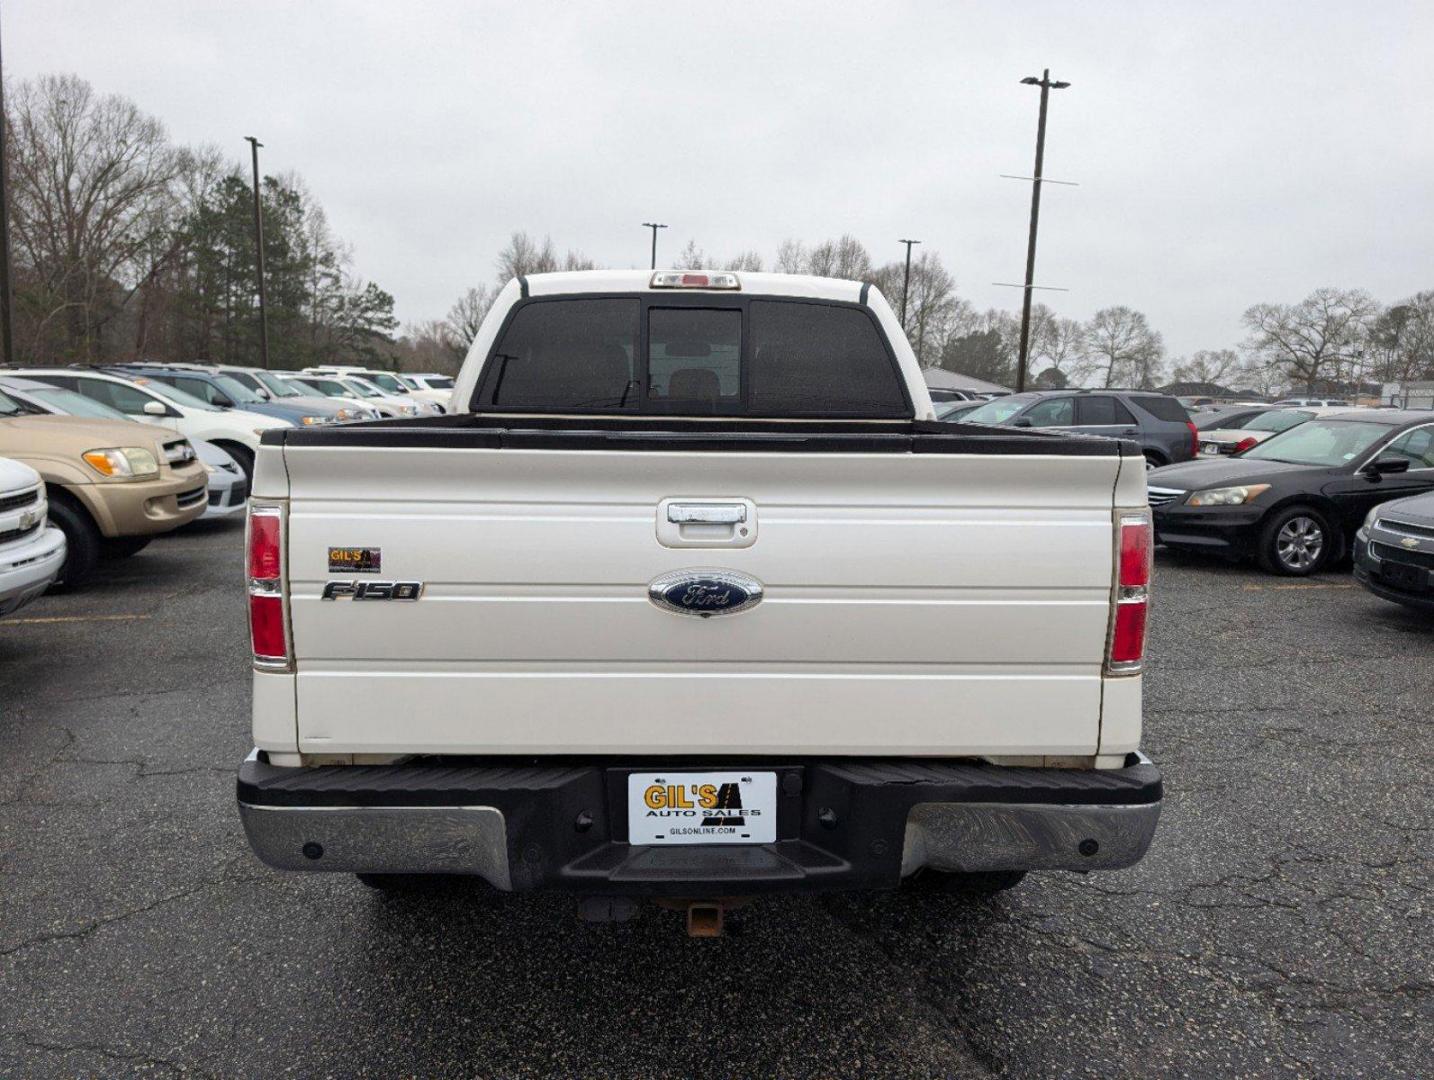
(702, 808)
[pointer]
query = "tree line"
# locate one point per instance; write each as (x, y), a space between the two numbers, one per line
(127, 246)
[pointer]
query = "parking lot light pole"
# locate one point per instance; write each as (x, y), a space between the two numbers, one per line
(1046, 85)
(654, 226)
(906, 281)
(254, 145)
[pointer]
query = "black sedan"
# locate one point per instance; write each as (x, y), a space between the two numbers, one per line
(1394, 552)
(1295, 501)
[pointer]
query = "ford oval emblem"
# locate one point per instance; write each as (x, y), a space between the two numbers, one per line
(705, 593)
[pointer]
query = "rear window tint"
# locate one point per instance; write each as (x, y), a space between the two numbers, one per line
(814, 359)
(1162, 408)
(1103, 410)
(567, 354)
(765, 358)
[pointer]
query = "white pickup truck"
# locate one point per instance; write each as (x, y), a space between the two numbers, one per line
(689, 596)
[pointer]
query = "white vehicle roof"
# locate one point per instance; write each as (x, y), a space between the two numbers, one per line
(604, 281)
(15, 476)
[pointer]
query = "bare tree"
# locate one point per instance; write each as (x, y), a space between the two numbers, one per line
(1401, 340)
(691, 257)
(791, 257)
(1058, 345)
(92, 191)
(1123, 347)
(1317, 339)
(1209, 366)
(525, 255)
(467, 315)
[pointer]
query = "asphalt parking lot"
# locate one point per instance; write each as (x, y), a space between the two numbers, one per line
(1280, 925)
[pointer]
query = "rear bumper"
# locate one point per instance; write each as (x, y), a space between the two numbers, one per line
(841, 824)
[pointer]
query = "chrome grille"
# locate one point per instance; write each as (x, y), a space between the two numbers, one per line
(25, 498)
(1404, 528)
(1159, 496)
(14, 534)
(189, 498)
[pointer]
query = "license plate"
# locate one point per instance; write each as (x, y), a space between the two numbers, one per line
(1210, 448)
(1405, 577)
(730, 807)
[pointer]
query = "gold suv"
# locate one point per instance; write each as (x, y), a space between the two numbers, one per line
(112, 485)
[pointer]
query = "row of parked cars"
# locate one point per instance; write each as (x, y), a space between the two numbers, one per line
(1297, 485)
(97, 461)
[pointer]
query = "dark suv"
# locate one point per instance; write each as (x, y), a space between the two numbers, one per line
(1157, 421)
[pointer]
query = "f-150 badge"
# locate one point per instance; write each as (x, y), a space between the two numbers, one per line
(705, 593)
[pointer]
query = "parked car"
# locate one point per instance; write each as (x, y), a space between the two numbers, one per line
(952, 411)
(768, 634)
(31, 549)
(1394, 552)
(112, 485)
(270, 387)
(228, 487)
(224, 392)
(343, 396)
(1227, 416)
(389, 405)
(1310, 402)
(1223, 440)
(1157, 422)
(386, 383)
(433, 388)
(235, 431)
(1295, 501)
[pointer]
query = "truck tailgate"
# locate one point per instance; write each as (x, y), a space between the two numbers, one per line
(915, 603)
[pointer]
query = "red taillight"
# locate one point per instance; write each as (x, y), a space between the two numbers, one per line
(1245, 443)
(1194, 437)
(1132, 594)
(265, 564)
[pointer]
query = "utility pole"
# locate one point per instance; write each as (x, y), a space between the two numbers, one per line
(906, 282)
(1046, 85)
(654, 226)
(7, 333)
(254, 145)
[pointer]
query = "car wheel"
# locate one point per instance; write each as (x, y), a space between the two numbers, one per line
(122, 547)
(1154, 461)
(1296, 542)
(974, 884)
(82, 540)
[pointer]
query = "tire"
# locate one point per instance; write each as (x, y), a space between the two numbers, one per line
(122, 547)
(977, 884)
(1154, 461)
(82, 540)
(1296, 542)
(243, 456)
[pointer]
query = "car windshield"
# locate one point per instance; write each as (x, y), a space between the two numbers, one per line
(9, 406)
(275, 385)
(387, 382)
(1320, 442)
(998, 411)
(360, 388)
(410, 382)
(175, 394)
(950, 410)
(1279, 420)
(438, 382)
(73, 404)
(237, 391)
(324, 387)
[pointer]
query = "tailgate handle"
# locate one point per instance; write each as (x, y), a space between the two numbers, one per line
(706, 513)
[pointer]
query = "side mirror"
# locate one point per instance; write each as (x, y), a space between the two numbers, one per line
(1021, 421)
(1386, 464)
(263, 394)
(155, 408)
(223, 401)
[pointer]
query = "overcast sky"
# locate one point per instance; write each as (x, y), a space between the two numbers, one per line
(1226, 155)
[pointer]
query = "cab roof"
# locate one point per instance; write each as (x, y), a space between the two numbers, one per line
(566, 282)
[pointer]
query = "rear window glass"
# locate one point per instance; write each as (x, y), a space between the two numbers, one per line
(1162, 408)
(567, 354)
(1103, 410)
(768, 358)
(814, 359)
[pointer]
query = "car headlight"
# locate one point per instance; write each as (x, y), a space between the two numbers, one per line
(1227, 496)
(1371, 519)
(408, 410)
(259, 431)
(128, 461)
(308, 420)
(344, 414)
(210, 469)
